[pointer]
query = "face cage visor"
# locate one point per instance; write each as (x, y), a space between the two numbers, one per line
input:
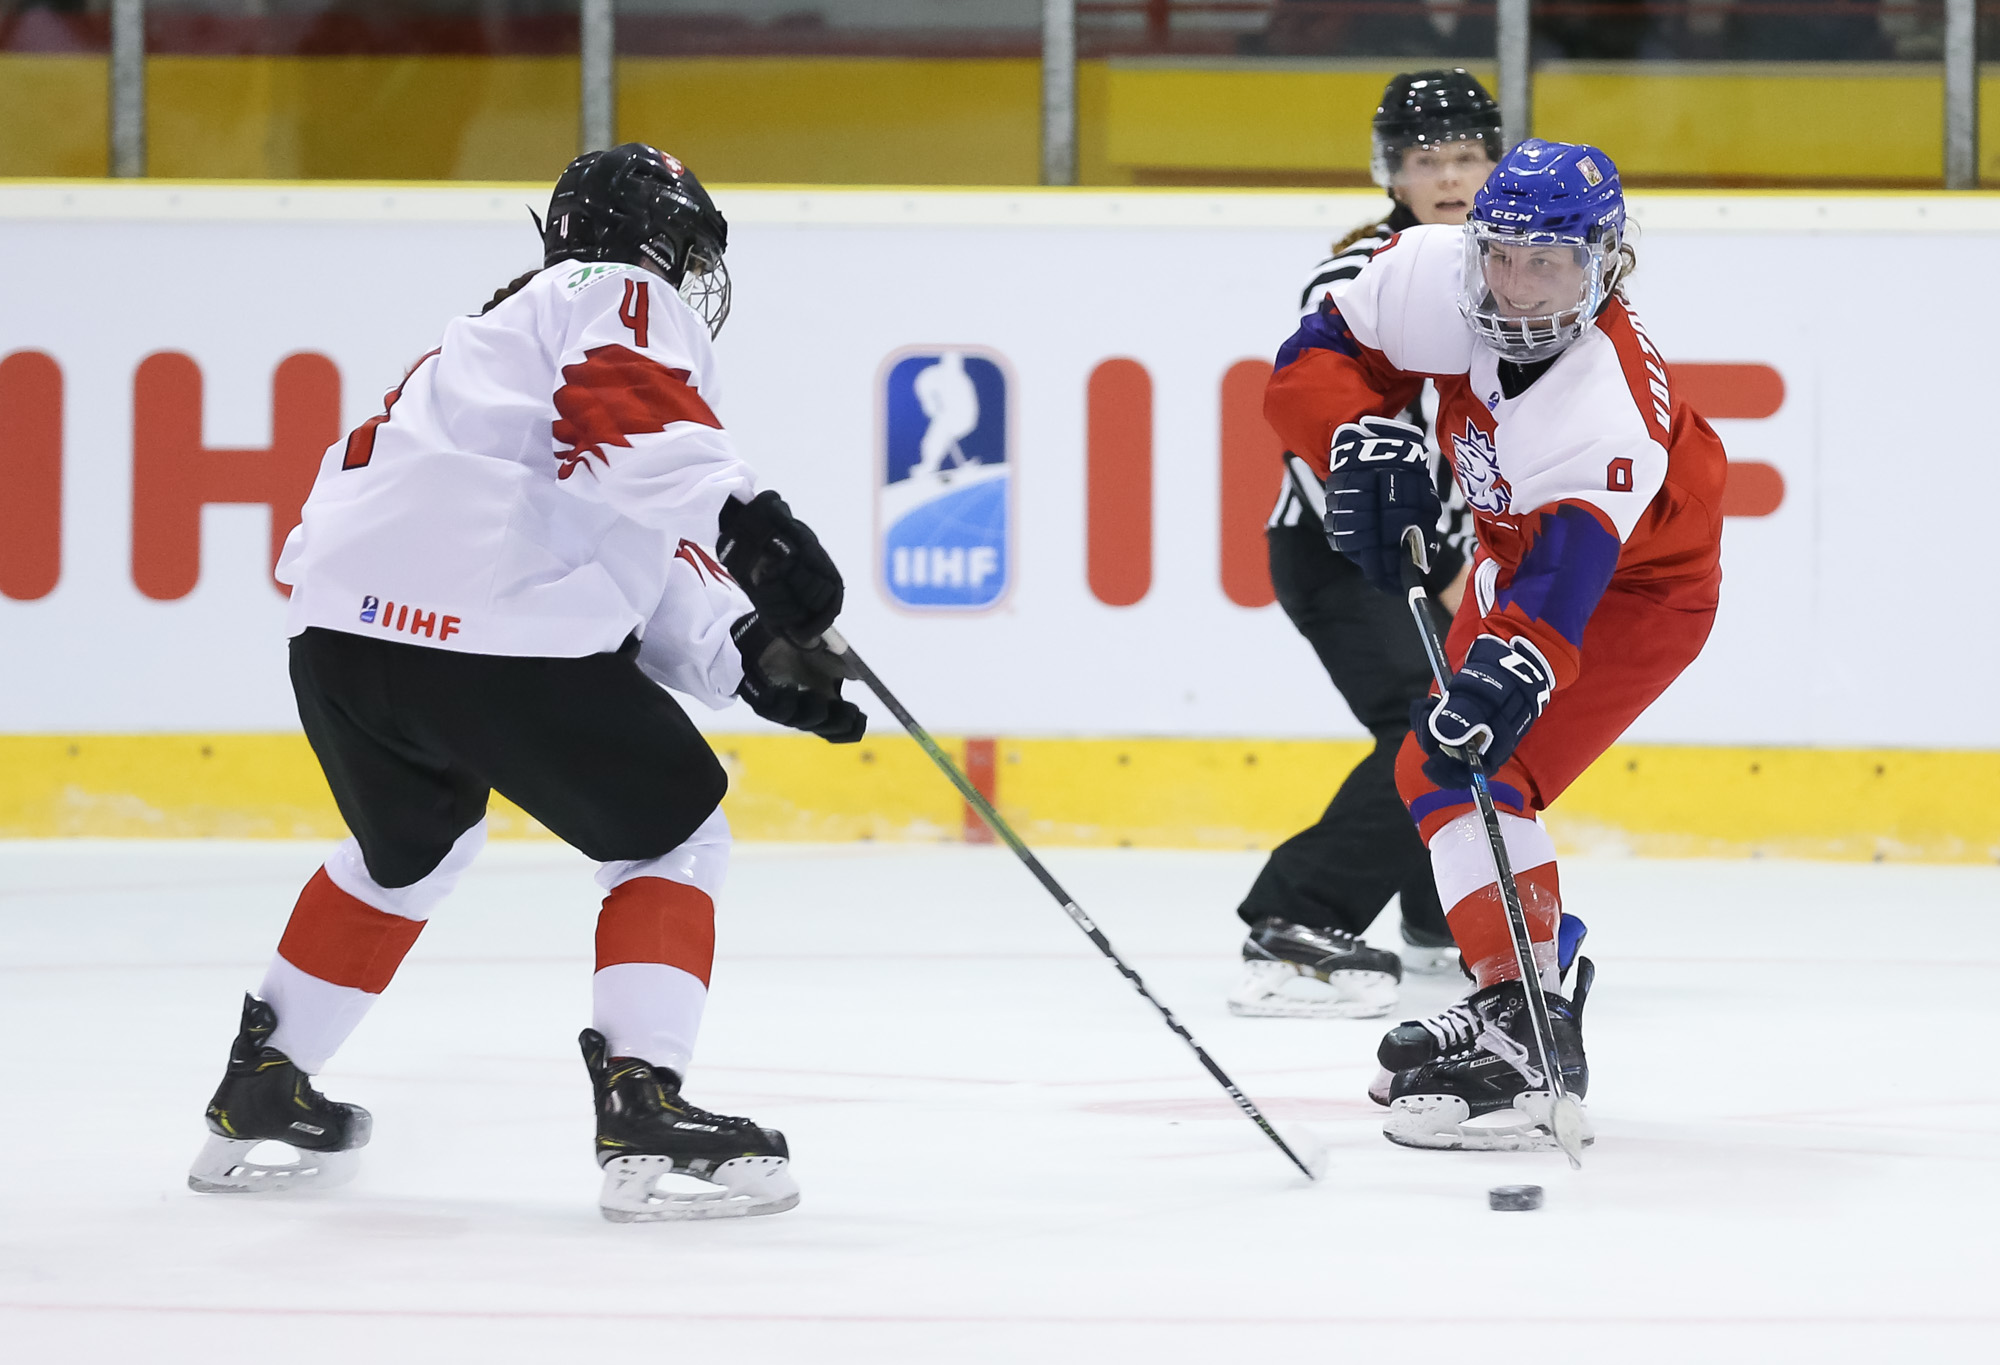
(1528, 296)
(1386, 154)
(704, 287)
(704, 281)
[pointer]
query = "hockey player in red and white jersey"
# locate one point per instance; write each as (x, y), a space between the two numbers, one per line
(1596, 494)
(493, 581)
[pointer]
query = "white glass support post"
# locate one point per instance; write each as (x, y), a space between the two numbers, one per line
(1961, 94)
(1058, 92)
(1515, 56)
(128, 87)
(598, 58)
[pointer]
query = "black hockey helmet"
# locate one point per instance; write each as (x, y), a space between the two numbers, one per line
(1427, 109)
(637, 204)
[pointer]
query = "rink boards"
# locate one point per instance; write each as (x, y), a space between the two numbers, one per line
(173, 356)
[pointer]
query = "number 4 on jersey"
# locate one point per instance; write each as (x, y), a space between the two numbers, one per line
(633, 309)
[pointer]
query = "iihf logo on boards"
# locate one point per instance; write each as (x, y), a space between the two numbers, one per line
(944, 507)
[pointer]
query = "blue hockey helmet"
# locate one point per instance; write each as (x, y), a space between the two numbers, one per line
(1542, 248)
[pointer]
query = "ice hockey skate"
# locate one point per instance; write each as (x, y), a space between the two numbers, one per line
(1416, 1041)
(264, 1098)
(1489, 1094)
(1293, 972)
(665, 1160)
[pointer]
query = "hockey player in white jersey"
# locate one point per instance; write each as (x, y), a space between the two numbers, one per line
(1597, 494)
(493, 581)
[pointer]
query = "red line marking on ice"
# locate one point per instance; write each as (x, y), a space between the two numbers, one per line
(1403, 1323)
(1073, 955)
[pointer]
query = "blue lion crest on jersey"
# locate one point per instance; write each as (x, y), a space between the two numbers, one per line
(1478, 466)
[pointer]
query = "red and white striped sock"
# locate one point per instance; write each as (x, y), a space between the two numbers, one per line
(347, 936)
(656, 948)
(1462, 862)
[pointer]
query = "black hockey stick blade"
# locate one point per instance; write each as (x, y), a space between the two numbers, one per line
(1565, 1117)
(1314, 1162)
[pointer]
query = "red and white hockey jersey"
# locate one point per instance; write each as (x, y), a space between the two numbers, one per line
(1594, 474)
(544, 483)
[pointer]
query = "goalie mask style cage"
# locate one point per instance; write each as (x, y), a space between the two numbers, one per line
(639, 205)
(1542, 248)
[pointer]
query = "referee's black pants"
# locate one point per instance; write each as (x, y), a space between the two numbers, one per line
(1341, 872)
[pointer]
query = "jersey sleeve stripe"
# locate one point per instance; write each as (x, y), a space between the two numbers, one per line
(1570, 558)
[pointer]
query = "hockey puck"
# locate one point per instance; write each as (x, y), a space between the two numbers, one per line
(1514, 1198)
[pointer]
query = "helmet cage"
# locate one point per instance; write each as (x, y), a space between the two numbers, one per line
(704, 287)
(1385, 161)
(1525, 340)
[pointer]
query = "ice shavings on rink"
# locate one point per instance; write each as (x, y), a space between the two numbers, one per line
(1003, 1155)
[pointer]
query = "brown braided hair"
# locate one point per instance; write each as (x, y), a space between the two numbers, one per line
(1365, 230)
(509, 290)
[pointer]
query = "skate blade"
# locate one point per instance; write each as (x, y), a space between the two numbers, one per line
(224, 1167)
(1444, 1123)
(1283, 990)
(742, 1187)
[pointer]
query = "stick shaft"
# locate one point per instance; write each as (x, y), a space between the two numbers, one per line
(1496, 840)
(866, 675)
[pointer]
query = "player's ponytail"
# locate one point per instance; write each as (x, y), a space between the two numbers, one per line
(1628, 261)
(509, 290)
(1362, 233)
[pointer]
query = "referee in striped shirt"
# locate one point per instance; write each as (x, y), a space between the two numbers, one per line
(1436, 137)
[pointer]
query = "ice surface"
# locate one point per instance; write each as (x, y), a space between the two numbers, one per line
(1004, 1156)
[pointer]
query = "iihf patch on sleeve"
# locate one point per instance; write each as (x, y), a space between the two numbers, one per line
(944, 500)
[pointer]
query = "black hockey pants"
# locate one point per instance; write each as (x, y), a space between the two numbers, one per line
(413, 739)
(1341, 872)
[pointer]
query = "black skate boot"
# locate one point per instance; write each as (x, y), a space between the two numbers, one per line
(1291, 971)
(645, 1131)
(1416, 1041)
(265, 1098)
(1495, 1071)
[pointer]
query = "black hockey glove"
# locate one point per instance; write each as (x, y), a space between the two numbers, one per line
(1492, 700)
(1378, 485)
(793, 686)
(781, 565)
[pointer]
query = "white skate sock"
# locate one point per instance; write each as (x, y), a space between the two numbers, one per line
(655, 947)
(648, 1010)
(1462, 863)
(316, 1015)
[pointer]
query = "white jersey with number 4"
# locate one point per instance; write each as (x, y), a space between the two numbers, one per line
(545, 483)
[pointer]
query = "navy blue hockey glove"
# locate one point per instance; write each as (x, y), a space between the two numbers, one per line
(1492, 700)
(789, 576)
(1378, 485)
(793, 686)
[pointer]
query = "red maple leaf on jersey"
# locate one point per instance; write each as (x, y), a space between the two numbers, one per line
(613, 393)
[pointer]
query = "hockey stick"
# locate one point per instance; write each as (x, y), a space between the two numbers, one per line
(857, 668)
(1565, 1118)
